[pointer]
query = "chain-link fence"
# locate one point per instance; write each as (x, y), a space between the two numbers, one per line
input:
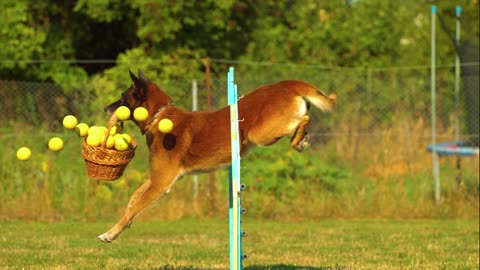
(380, 128)
(368, 98)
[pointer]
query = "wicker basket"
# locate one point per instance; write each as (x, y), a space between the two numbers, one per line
(106, 164)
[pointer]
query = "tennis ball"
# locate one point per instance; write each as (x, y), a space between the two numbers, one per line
(92, 130)
(81, 129)
(110, 143)
(93, 139)
(121, 144)
(165, 125)
(70, 122)
(117, 136)
(113, 130)
(101, 131)
(122, 113)
(24, 153)
(140, 114)
(55, 144)
(127, 137)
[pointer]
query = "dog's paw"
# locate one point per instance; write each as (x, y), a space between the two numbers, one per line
(304, 143)
(104, 238)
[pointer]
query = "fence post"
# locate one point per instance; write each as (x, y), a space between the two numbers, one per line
(435, 161)
(458, 12)
(194, 108)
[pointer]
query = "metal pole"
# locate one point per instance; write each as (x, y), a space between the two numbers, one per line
(457, 75)
(436, 168)
(458, 11)
(194, 108)
(194, 95)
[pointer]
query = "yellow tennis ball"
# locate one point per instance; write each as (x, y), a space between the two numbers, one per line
(122, 113)
(70, 122)
(113, 130)
(92, 130)
(117, 136)
(127, 137)
(55, 144)
(140, 114)
(121, 144)
(24, 153)
(94, 139)
(81, 129)
(101, 131)
(165, 125)
(110, 143)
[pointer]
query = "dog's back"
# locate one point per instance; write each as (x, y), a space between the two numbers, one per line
(276, 110)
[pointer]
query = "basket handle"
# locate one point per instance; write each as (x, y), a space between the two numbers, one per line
(111, 123)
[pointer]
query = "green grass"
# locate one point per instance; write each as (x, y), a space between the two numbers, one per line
(55, 187)
(203, 244)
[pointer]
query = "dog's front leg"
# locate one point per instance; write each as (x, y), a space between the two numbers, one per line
(145, 195)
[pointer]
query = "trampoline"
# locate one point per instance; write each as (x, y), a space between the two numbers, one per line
(457, 148)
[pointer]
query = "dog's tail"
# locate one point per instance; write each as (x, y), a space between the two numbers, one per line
(319, 99)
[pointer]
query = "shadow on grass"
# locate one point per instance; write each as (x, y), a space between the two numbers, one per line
(260, 267)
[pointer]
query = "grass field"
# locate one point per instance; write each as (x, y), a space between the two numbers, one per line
(203, 244)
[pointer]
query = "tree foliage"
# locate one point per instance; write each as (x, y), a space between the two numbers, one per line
(87, 47)
(170, 38)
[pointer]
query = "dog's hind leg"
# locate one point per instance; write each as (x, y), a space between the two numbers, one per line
(300, 139)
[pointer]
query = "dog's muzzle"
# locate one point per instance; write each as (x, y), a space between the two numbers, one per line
(112, 107)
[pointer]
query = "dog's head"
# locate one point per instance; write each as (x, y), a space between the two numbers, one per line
(142, 93)
(134, 96)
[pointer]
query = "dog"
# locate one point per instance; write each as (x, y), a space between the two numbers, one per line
(200, 141)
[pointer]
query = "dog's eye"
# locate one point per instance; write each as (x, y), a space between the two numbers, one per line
(136, 96)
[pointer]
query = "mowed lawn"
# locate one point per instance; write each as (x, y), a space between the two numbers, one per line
(203, 244)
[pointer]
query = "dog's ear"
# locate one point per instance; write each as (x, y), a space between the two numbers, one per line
(139, 86)
(136, 81)
(142, 77)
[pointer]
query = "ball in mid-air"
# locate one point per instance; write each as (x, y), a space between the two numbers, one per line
(24, 153)
(82, 129)
(70, 122)
(55, 144)
(165, 125)
(122, 113)
(140, 114)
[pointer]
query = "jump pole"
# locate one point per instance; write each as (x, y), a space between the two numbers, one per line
(234, 210)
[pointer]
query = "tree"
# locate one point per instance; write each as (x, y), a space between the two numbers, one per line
(170, 38)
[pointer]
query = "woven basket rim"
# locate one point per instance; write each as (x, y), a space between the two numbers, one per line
(119, 157)
(103, 163)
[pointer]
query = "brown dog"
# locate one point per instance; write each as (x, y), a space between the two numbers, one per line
(200, 141)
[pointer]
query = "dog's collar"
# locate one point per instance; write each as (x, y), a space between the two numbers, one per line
(155, 116)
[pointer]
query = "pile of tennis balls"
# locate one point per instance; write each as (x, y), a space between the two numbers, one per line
(95, 135)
